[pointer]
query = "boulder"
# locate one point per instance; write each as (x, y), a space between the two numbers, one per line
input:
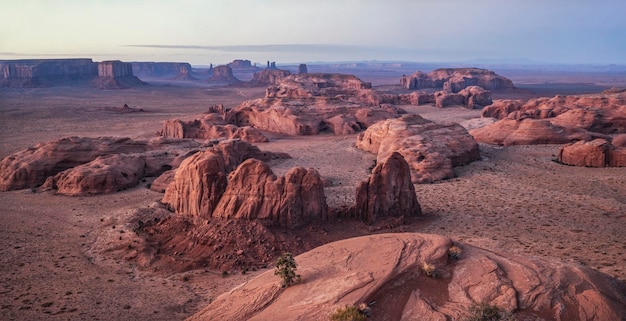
(431, 149)
(475, 97)
(384, 270)
(160, 183)
(255, 193)
(527, 131)
(596, 153)
(211, 126)
(389, 192)
(445, 99)
(501, 108)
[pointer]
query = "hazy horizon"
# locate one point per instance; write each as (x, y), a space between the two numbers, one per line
(568, 32)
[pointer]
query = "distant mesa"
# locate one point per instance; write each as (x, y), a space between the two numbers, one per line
(268, 77)
(456, 79)
(302, 69)
(241, 64)
(223, 75)
(55, 72)
(169, 70)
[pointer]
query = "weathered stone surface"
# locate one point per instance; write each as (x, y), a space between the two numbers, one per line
(105, 174)
(255, 193)
(389, 192)
(444, 99)
(501, 108)
(161, 69)
(268, 77)
(160, 183)
(46, 72)
(475, 97)
(431, 149)
(596, 153)
(308, 104)
(201, 179)
(456, 79)
(115, 74)
(223, 75)
(359, 270)
(210, 126)
(527, 131)
(240, 64)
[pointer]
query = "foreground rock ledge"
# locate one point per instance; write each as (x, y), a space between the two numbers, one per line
(385, 268)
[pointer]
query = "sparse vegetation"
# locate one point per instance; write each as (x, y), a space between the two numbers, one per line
(488, 312)
(430, 270)
(454, 253)
(286, 269)
(351, 313)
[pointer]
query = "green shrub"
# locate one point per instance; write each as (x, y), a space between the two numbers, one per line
(286, 269)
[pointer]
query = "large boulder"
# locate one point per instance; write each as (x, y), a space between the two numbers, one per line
(389, 192)
(211, 126)
(431, 149)
(527, 131)
(384, 271)
(596, 153)
(255, 193)
(501, 108)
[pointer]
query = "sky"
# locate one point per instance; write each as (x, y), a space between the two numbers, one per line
(290, 31)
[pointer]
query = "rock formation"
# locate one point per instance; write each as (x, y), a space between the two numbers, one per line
(91, 165)
(268, 77)
(596, 153)
(170, 70)
(46, 72)
(223, 75)
(456, 79)
(201, 179)
(116, 75)
(312, 103)
(255, 193)
(389, 192)
(431, 149)
(385, 268)
(501, 108)
(527, 131)
(302, 69)
(211, 126)
(240, 64)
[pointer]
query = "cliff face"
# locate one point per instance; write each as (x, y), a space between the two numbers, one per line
(45, 72)
(115, 74)
(160, 69)
(456, 79)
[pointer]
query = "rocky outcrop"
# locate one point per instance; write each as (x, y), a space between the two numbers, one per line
(501, 108)
(309, 104)
(161, 69)
(200, 180)
(527, 131)
(431, 149)
(389, 192)
(268, 77)
(456, 79)
(115, 74)
(383, 268)
(475, 97)
(46, 72)
(160, 183)
(255, 193)
(223, 75)
(211, 126)
(240, 64)
(302, 69)
(596, 153)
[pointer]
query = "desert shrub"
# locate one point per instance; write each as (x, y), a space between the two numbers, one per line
(430, 270)
(349, 313)
(286, 269)
(454, 253)
(488, 312)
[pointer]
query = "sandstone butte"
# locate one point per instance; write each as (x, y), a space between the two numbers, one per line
(210, 126)
(431, 149)
(384, 271)
(456, 79)
(596, 153)
(223, 75)
(557, 120)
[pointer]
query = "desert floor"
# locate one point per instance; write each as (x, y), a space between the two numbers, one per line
(56, 260)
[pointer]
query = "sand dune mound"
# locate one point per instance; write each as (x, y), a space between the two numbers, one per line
(386, 271)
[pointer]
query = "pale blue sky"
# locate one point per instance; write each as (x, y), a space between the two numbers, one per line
(202, 32)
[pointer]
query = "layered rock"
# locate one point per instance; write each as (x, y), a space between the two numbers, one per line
(385, 268)
(115, 74)
(200, 180)
(211, 126)
(268, 77)
(223, 75)
(527, 131)
(46, 72)
(456, 79)
(240, 64)
(431, 149)
(595, 153)
(501, 108)
(389, 192)
(162, 69)
(255, 193)
(309, 104)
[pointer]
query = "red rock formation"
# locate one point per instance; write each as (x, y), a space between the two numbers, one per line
(456, 79)
(475, 97)
(46, 72)
(223, 75)
(211, 126)
(268, 77)
(255, 193)
(160, 69)
(384, 268)
(501, 108)
(444, 99)
(595, 153)
(431, 149)
(160, 183)
(527, 132)
(389, 192)
(240, 64)
(201, 179)
(115, 74)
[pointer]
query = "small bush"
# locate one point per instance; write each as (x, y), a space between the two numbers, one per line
(350, 313)
(488, 312)
(430, 270)
(286, 269)
(454, 253)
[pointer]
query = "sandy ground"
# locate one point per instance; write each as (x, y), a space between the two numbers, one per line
(52, 266)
